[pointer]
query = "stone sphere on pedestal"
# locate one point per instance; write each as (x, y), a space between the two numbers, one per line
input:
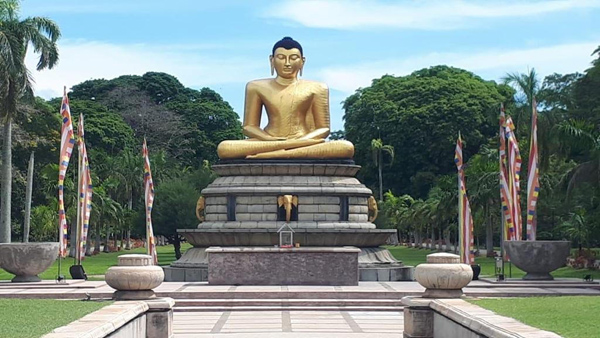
(134, 277)
(443, 276)
(27, 260)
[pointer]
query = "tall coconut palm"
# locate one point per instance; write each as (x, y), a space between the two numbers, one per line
(378, 148)
(582, 137)
(128, 170)
(527, 86)
(16, 36)
(483, 188)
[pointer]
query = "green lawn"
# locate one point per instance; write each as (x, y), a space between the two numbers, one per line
(98, 264)
(36, 317)
(410, 256)
(571, 317)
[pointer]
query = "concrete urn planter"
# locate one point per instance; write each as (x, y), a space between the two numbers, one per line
(27, 260)
(134, 277)
(538, 258)
(443, 276)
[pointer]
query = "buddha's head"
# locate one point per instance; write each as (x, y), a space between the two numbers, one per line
(286, 58)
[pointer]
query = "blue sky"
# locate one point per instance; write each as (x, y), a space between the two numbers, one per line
(224, 44)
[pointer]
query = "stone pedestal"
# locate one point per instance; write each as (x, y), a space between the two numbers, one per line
(418, 318)
(443, 276)
(241, 209)
(283, 266)
(159, 318)
(134, 277)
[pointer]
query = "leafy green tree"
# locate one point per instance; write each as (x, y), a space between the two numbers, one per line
(378, 148)
(43, 222)
(188, 124)
(421, 114)
(484, 195)
(337, 135)
(16, 36)
(587, 92)
(174, 209)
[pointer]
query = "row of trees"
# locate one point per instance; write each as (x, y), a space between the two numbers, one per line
(419, 116)
(183, 127)
(415, 117)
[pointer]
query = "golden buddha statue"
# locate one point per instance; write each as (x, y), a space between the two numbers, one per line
(298, 113)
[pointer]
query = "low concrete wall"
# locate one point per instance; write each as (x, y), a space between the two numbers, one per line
(124, 319)
(451, 318)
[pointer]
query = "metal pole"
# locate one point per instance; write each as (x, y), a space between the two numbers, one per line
(77, 258)
(502, 242)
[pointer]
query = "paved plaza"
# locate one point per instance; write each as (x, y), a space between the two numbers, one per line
(288, 324)
(371, 309)
(77, 289)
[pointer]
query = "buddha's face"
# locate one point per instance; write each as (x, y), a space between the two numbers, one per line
(287, 62)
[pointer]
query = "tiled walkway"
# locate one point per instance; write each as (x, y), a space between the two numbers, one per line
(288, 324)
(376, 290)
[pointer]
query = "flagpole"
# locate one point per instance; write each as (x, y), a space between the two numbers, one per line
(500, 178)
(79, 211)
(60, 277)
(460, 211)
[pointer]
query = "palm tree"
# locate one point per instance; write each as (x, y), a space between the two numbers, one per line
(378, 148)
(581, 135)
(483, 189)
(127, 170)
(15, 81)
(527, 86)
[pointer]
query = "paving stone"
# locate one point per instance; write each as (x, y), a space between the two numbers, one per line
(305, 217)
(329, 208)
(255, 208)
(358, 209)
(305, 200)
(241, 208)
(332, 217)
(216, 200)
(357, 218)
(308, 208)
(216, 209)
(326, 200)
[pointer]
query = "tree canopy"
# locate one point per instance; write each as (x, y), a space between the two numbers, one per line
(420, 115)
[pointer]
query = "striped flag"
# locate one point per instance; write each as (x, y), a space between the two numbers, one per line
(514, 170)
(505, 196)
(149, 198)
(85, 191)
(465, 219)
(67, 142)
(533, 181)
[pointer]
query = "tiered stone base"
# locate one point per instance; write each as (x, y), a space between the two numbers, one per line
(242, 210)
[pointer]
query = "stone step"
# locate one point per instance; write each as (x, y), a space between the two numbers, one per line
(286, 308)
(390, 295)
(182, 303)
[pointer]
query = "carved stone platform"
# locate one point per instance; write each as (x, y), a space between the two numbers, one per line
(242, 209)
(283, 266)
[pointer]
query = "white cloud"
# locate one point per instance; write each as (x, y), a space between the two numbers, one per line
(490, 64)
(425, 14)
(81, 60)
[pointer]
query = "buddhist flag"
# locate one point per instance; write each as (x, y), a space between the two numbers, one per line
(67, 142)
(514, 171)
(85, 191)
(465, 219)
(149, 198)
(533, 181)
(505, 196)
